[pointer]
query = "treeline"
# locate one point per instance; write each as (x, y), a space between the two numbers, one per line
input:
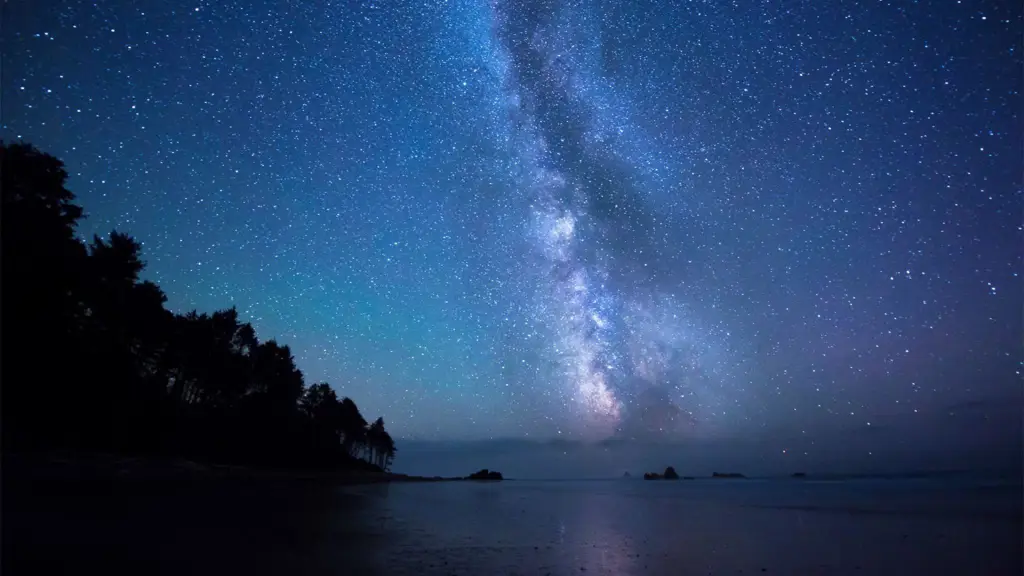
(93, 362)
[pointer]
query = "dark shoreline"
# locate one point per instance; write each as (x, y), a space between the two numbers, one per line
(79, 466)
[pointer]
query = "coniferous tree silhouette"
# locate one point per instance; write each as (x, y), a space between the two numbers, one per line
(92, 361)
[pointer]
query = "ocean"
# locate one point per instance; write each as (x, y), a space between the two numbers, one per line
(968, 526)
(786, 526)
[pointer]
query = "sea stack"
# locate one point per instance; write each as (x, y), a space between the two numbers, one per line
(486, 474)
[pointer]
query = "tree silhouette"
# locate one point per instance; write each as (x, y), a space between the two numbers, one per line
(388, 448)
(92, 360)
(41, 266)
(375, 442)
(353, 427)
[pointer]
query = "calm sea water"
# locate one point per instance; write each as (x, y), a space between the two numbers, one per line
(701, 527)
(520, 527)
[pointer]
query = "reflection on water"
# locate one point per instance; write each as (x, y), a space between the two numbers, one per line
(633, 527)
(636, 527)
(615, 527)
(609, 549)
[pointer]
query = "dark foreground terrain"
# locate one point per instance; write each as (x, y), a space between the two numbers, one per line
(173, 519)
(170, 519)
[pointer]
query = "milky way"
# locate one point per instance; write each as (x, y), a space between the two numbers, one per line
(585, 219)
(589, 224)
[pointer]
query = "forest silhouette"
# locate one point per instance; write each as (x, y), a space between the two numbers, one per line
(92, 361)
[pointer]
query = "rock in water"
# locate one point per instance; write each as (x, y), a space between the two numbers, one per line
(486, 474)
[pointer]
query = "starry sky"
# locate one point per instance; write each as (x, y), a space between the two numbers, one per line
(576, 219)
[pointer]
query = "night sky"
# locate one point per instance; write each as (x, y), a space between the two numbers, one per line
(576, 219)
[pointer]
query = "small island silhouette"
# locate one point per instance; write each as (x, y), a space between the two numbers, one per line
(670, 474)
(485, 474)
(727, 475)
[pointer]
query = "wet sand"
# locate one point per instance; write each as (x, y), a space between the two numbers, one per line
(177, 522)
(197, 524)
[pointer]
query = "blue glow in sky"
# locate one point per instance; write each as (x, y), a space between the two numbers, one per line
(563, 218)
